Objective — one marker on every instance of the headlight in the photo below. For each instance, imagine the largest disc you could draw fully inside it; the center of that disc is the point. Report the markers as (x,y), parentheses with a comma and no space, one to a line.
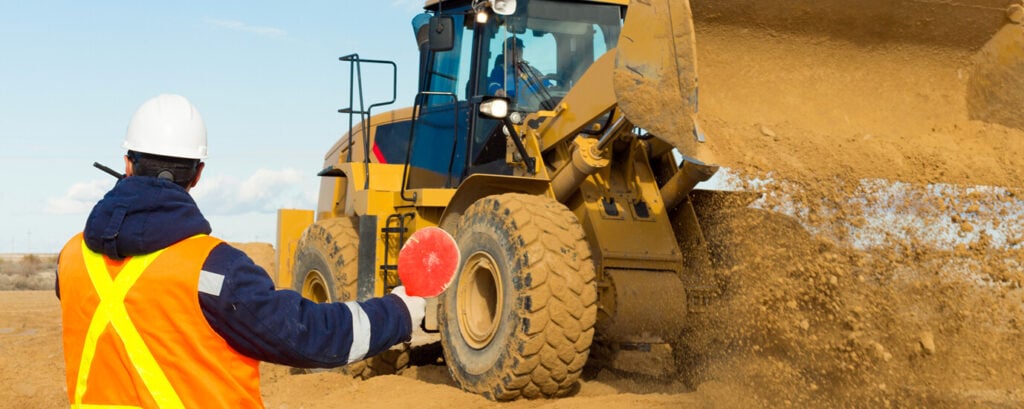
(496,107)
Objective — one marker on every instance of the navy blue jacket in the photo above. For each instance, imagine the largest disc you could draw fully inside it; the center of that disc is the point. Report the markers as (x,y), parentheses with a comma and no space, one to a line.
(141,215)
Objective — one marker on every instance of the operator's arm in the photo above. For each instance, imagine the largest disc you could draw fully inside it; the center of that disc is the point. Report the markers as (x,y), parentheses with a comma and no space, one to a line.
(496,81)
(284,328)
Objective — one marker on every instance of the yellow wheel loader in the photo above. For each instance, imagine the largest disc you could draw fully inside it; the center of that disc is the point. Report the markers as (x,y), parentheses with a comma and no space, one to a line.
(558,142)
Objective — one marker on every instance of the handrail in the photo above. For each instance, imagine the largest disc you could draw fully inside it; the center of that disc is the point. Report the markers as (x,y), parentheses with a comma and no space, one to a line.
(355,78)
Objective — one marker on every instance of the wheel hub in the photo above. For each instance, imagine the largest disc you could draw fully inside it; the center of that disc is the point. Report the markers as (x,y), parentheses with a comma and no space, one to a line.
(479,300)
(315,287)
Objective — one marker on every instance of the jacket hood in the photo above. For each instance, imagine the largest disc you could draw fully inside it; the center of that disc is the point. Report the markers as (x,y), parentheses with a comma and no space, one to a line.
(141,215)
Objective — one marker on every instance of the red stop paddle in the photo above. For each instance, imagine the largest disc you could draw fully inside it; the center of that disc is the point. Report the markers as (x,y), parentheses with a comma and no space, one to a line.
(428,261)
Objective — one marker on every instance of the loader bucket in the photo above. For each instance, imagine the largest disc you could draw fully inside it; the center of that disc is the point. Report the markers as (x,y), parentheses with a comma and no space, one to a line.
(925,90)
(989,30)
(951,23)
(655,76)
(995,92)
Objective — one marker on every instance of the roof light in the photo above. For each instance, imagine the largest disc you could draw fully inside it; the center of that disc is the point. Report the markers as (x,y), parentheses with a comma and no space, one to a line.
(504,7)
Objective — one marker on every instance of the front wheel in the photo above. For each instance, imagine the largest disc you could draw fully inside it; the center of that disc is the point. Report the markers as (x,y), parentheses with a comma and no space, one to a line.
(519,318)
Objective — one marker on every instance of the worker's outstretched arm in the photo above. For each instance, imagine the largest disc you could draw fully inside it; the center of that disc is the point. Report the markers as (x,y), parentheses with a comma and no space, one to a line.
(284,328)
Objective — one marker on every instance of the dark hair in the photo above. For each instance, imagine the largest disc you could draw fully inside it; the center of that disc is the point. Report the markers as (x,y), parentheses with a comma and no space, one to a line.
(181,171)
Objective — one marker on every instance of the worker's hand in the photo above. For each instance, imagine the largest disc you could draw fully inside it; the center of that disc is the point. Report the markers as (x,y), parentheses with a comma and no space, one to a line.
(417,306)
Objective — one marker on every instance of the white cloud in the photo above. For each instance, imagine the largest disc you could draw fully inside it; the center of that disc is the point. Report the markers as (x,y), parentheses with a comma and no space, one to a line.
(79,198)
(408,5)
(264,191)
(246,28)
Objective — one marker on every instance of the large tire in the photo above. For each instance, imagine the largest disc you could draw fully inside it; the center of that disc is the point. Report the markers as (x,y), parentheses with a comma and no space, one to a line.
(325,268)
(326,261)
(519,319)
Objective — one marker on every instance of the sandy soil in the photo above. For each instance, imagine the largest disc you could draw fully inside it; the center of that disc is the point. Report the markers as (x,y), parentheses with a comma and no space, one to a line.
(906,293)
(32,368)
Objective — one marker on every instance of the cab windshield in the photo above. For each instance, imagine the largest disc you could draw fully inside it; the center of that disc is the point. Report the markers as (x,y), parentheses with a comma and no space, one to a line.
(550,44)
(536,55)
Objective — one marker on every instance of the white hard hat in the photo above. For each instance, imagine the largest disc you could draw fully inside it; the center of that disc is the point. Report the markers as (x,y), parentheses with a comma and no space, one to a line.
(167,125)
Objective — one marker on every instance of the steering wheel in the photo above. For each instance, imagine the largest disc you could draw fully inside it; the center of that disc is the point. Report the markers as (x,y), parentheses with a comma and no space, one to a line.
(552,79)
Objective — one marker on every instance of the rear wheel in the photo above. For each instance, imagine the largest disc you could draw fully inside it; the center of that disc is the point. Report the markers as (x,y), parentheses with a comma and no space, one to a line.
(325,261)
(326,270)
(519,318)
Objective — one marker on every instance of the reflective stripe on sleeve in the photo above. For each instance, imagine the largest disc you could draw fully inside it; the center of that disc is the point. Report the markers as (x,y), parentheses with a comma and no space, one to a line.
(360,333)
(210,283)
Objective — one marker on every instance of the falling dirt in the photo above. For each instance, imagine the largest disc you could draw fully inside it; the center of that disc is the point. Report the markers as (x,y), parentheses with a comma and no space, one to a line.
(901,285)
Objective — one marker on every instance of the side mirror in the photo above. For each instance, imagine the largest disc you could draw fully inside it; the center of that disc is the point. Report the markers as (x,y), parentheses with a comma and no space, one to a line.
(441,33)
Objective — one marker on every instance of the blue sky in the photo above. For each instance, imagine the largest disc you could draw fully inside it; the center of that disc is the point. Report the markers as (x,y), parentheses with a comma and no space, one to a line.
(265,76)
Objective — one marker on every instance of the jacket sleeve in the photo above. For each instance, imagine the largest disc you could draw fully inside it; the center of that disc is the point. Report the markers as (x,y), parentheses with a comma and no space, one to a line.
(280,326)
(494,80)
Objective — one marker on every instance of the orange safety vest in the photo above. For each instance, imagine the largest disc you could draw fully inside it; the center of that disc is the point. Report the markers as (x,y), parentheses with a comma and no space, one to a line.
(135,336)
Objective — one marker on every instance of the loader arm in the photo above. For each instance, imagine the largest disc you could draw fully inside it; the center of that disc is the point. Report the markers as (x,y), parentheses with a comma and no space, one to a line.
(651,78)
(590,98)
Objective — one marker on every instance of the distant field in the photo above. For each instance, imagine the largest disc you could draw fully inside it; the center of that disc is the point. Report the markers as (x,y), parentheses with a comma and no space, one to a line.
(24,271)
(20,256)
(27,271)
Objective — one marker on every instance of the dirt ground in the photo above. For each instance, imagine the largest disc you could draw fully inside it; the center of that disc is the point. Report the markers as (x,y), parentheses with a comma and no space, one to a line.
(31,365)
(904,290)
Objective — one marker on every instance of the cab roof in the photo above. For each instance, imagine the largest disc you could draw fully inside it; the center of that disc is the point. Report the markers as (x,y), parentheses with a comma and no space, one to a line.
(619,2)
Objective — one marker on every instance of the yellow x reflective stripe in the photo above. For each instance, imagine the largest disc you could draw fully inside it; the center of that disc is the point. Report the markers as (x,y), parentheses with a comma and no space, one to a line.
(111,310)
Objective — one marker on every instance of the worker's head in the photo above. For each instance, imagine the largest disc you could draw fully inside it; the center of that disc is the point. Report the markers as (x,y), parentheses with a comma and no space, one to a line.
(514,45)
(166,139)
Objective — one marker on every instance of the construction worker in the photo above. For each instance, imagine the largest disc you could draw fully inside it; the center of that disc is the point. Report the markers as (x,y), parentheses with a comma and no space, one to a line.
(157,313)
(524,83)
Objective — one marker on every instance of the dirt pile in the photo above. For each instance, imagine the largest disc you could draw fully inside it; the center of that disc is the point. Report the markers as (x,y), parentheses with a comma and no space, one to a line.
(261,253)
(813,323)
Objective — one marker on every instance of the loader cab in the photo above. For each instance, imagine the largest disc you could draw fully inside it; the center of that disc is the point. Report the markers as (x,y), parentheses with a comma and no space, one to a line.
(533,56)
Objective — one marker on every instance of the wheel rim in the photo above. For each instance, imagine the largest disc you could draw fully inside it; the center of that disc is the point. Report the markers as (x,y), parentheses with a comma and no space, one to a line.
(479,300)
(315,287)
